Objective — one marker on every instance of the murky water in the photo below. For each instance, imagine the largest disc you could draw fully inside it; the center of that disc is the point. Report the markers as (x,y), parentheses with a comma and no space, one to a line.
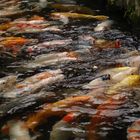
(103,117)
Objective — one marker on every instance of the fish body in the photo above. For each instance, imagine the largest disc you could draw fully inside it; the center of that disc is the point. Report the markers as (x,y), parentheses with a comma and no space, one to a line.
(133,132)
(51,59)
(106,112)
(71,8)
(78,16)
(128,82)
(14,44)
(34,83)
(54,109)
(24,103)
(111,76)
(62,129)
(105,25)
(104,44)
(17,130)
(133,61)
(6,83)
(118,74)
(99,82)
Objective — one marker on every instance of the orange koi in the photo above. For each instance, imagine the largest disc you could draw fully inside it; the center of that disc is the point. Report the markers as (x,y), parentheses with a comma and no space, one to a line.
(13,43)
(55,109)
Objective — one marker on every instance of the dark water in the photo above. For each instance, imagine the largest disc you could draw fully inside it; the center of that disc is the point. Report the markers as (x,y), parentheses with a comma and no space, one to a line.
(77,73)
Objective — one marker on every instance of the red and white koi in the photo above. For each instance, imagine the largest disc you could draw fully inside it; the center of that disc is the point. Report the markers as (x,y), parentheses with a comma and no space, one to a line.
(62,129)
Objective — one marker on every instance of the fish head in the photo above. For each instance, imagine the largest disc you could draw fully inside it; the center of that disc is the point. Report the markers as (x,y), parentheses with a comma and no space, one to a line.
(99,82)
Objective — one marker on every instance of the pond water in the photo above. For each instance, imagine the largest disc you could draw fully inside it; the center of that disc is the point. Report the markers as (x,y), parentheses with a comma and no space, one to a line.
(47,65)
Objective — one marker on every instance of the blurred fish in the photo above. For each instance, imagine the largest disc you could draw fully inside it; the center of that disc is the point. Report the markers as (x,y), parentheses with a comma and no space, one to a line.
(133,131)
(62,129)
(6,83)
(129,82)
(101,81)
(54,109)
(14,44)
(67,15)
(111,76)
(118,74)
(106,112)
(17,130)
(23,103)
(104,44)
(35,83)
(71,8)
(51,59)
(133,61)
(105,25)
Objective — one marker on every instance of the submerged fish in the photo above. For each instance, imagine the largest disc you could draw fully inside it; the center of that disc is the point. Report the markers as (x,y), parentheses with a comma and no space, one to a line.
(17,130)
(16,10)
(105,25)
(28,28)
(22,104)
(133,132)
(100,82)
(118,74)
(111,76)
(129,82)
(58,58)
(71,8)
(133,61)
(78,16)
(106,112)
(14,44)
(62,129)
(6,83)
(54,109)
(35,83)
(104,44)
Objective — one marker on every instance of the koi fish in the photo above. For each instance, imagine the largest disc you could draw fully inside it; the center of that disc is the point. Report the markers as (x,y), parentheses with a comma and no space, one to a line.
(24,103)
(105,113)
(71,8)
(128,82)
(13,43)
(17,130)
(118,74)
(133,132)
(6,83)
(54,109)
(77,16)
(101,81)
(111,76)
(35,83)
(58,131)
(104,44)
(105,25)
(51,59)
(133,61)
